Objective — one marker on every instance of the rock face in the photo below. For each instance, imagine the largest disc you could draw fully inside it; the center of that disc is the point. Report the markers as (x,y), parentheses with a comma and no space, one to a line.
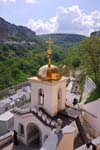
(96,33)
(10,31)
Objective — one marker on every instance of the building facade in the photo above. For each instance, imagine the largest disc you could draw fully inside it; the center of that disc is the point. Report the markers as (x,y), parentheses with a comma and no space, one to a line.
(48,95)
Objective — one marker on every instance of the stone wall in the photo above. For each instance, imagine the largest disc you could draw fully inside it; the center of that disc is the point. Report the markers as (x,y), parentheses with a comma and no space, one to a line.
(89,87)
(16,87)
(92,117)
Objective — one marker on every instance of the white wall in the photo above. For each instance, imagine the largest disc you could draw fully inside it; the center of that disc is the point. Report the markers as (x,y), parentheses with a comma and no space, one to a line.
(67,142)
(88,88)
(94,117)
(51,103)
(2,109)
(25,120)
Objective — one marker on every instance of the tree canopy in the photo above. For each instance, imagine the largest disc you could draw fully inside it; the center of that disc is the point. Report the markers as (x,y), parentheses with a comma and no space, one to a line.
(90,53)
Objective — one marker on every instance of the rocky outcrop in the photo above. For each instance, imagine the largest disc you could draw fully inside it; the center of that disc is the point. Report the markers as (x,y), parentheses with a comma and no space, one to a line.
(96,33)
(10,31)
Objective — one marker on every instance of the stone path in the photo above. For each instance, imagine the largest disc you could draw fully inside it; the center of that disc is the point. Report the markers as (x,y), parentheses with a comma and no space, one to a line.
(70,96)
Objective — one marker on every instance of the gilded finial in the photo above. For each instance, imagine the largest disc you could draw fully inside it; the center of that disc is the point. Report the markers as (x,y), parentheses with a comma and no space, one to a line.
(49,51)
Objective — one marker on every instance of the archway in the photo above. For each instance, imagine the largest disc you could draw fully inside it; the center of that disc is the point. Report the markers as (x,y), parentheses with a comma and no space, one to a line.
(33,135)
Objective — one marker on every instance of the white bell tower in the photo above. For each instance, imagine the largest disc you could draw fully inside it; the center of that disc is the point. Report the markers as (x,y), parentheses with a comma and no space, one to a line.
(48,89)
(49,95)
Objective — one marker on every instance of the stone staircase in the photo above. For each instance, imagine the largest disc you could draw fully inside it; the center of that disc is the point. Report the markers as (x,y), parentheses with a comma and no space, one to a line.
(66,120)
(44,118)
(74,114)
(39,113)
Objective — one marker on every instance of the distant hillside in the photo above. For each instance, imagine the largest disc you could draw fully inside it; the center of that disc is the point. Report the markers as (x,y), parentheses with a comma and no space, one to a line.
(64,39)
(96,33)
(22,52)
(10,31)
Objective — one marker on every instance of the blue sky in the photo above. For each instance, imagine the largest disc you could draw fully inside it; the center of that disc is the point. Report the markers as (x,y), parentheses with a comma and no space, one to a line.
(53,16)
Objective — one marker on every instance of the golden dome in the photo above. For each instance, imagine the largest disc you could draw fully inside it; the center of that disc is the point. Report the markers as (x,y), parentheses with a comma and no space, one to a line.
(49,73)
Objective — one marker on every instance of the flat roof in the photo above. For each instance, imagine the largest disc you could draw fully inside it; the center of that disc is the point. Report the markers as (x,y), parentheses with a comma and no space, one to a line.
(6,116)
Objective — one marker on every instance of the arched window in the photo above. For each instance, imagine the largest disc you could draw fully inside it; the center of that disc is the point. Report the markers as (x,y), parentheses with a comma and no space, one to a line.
(41,97)
(21,130)
(59,94)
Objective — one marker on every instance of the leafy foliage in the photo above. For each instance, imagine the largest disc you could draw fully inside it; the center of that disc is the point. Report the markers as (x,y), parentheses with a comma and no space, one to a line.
(19,61)
(90,54)
(17,64)
(73,58)
(64,40)
(94,96)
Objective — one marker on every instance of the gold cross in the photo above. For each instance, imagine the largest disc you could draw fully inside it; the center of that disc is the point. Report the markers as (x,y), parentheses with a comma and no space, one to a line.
(49,43)
(49,51)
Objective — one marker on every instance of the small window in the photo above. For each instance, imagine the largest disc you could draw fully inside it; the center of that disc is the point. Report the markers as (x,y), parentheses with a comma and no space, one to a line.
(41,97)
(21,129)
(59,94)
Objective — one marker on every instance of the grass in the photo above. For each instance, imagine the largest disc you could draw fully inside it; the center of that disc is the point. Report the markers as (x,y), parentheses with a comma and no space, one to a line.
(93,96)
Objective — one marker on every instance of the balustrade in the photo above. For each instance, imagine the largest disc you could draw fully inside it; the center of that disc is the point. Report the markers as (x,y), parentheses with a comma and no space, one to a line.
(44,117)
(53,123)
(48,120)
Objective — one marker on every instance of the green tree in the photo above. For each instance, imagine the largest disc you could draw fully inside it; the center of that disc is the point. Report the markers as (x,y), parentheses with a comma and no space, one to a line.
(73,57)
(90,52)
(5,76)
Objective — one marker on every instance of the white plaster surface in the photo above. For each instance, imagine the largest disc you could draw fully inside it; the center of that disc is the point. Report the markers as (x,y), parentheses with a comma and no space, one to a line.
(6,116)
(93,108)
(25,120)
(51,103)
(52,140)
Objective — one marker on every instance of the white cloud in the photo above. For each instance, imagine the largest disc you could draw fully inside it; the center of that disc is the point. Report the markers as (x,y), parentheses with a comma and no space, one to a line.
(30,1)
(68,20)
(26,1)
(5,1)
(40,26)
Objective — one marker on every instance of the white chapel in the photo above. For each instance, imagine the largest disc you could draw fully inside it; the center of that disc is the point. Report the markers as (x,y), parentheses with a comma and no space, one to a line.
(48,94)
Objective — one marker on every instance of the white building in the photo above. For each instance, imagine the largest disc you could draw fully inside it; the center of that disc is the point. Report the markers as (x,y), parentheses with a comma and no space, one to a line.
(60,140)
(18,99)
(6,122)
(48,95)
(92,117)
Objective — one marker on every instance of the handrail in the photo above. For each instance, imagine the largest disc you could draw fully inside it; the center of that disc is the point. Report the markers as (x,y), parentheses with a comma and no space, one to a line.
(79,126)
(81,131)
(59,115)
(81,109)
(6,140)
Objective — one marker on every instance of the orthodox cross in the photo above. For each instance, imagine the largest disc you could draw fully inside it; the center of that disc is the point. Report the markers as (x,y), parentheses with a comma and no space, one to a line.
(49,52)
